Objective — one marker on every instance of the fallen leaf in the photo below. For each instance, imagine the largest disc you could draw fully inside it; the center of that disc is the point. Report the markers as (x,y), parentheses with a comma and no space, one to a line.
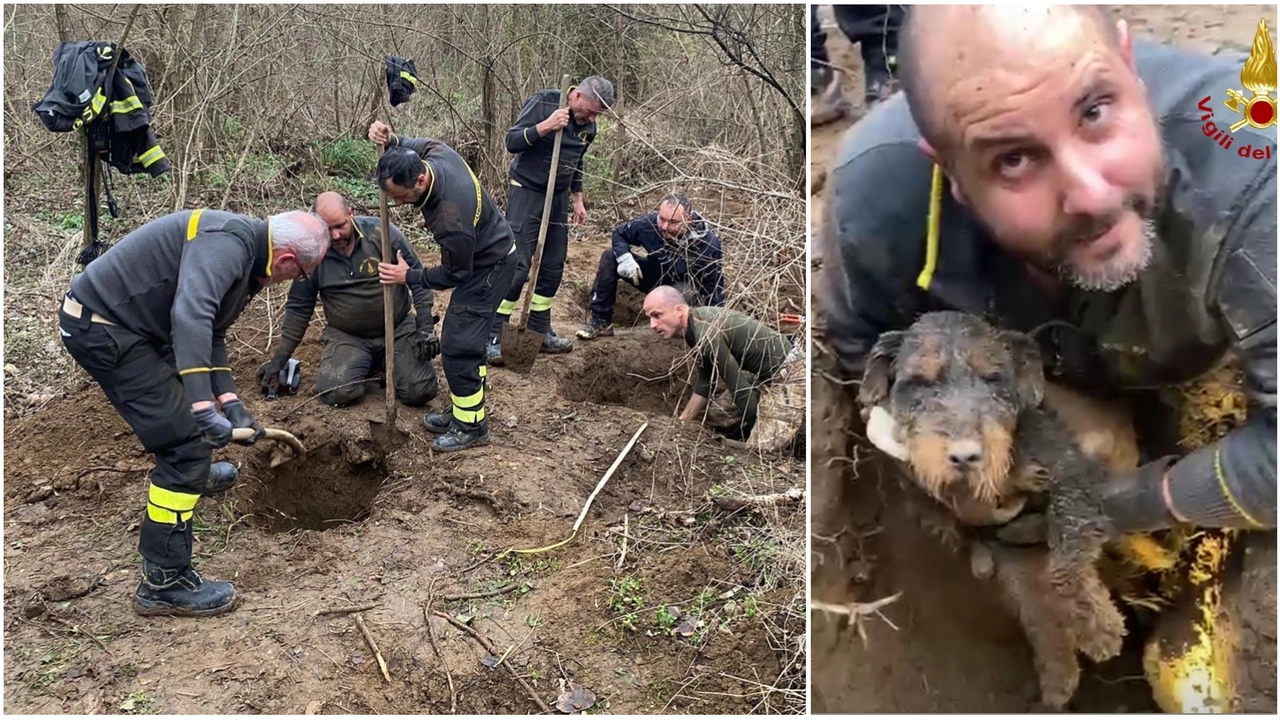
(575,699)
(490,661)
(314,707)
(357,658)
(687,627)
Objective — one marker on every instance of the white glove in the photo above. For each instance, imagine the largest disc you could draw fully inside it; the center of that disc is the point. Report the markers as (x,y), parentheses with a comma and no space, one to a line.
(629,268)
(882,431)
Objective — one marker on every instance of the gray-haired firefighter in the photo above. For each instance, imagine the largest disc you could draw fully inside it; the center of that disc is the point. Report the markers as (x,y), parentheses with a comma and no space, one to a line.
(477,260)
(148,320)
(532,139)
(347,283)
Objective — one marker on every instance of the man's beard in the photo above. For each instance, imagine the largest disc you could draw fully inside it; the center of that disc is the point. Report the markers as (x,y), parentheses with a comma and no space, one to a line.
(1124,266)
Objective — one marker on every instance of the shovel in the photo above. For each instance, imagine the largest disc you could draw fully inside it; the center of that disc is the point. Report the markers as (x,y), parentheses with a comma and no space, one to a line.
(519,346)
(280,436)
(384,432)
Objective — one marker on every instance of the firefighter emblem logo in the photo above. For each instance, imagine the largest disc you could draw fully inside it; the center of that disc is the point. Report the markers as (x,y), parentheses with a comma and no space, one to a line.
(1258,77)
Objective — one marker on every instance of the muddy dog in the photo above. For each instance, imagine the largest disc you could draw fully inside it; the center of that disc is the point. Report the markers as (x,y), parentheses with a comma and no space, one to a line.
(966,400)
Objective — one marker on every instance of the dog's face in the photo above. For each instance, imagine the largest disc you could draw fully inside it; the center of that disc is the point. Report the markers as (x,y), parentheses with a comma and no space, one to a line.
(955,387)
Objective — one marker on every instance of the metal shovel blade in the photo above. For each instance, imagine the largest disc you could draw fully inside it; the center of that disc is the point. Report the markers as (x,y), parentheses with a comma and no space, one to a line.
(387,436)
(520,347)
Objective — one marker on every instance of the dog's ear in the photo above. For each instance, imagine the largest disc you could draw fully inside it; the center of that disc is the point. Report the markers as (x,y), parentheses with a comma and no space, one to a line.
(1028,369)
(877,373)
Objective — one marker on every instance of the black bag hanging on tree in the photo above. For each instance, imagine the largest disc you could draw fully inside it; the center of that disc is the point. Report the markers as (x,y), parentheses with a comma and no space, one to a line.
(402,79)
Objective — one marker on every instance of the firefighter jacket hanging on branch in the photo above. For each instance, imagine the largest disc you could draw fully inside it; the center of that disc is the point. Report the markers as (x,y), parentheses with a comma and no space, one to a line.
(116,120)
(402,79)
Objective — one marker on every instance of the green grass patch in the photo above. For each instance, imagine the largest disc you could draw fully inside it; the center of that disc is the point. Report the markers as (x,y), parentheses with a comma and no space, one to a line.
(349,157)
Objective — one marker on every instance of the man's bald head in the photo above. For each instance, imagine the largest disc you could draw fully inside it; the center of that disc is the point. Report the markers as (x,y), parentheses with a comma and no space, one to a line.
(667,311)
(335,210)
(939,44)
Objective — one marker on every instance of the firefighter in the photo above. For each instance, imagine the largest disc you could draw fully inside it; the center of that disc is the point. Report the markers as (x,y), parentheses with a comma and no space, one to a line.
(874,29)
(347,283)
(148,321)
(675,246)
(477,261)
(531,140)
(739,350)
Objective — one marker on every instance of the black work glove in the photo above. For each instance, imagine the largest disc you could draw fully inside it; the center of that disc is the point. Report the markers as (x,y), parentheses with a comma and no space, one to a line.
(1134,501)
(269,373)
(240,418)
(214,429)
(425,343)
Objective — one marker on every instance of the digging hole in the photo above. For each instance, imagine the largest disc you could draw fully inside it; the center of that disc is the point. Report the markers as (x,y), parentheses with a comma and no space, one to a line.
(641,373)
(332,486)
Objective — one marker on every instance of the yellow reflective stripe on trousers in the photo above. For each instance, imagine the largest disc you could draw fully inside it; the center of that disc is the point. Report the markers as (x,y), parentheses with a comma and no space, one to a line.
(541,302)
(151,157)
(169,506)
(193,224)
(484,371)
(506,307)
(470,409)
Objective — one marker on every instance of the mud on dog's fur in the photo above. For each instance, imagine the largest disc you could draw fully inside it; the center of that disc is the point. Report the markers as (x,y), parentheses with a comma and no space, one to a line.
(967,402)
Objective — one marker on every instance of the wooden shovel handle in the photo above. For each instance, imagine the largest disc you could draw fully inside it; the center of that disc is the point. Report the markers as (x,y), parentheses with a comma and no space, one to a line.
(388,300)
(272,434)
(532,280)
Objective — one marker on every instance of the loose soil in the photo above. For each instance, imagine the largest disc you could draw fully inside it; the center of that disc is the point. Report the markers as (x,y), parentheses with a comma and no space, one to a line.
(347,526)
(946,645)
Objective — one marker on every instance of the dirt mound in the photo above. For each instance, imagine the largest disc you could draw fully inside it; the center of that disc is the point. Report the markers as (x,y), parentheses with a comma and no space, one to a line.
(634,371)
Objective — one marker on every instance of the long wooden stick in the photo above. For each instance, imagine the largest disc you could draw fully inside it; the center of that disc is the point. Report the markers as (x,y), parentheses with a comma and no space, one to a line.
(388,302)
(431,635)
(488,646)
(373,645)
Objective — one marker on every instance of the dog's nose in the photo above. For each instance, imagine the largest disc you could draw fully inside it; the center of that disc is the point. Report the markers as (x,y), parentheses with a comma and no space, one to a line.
(964,452)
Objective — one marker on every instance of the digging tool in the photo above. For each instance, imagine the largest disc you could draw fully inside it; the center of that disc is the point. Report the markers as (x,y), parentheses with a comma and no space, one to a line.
(281,436)
(519,346)
(384,432)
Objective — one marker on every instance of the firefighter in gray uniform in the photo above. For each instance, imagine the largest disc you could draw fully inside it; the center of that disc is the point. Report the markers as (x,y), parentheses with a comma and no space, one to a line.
(531,140)
(347,283)
(477,260)
(148,321)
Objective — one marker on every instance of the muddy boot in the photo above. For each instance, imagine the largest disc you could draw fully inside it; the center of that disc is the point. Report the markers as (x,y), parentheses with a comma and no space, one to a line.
(599,327)
(462,436)
(438,422)
(493,352)
(165,591)
(829,104)
(222,476)
(553,344)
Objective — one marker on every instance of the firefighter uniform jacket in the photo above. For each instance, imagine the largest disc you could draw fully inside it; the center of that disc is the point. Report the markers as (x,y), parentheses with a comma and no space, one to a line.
(78,97)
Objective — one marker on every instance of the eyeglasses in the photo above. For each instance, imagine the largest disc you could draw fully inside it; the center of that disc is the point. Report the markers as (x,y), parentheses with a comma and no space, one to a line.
(301,271)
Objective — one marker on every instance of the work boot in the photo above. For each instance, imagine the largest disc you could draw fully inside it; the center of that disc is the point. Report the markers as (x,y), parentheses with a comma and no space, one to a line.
(553,344)
(493,352)
(599,327)
(165,591)
(438,422)
(462,436)
(222,476)
(829,104)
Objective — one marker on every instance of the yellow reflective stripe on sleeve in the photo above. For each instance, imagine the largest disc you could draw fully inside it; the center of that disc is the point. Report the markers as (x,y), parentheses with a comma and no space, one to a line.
(476,220)
(1226,490)
(413,80)
(193,224)
(151,157)
(126,105)
(935,222)
(188,371)
(540,302)
(506,307)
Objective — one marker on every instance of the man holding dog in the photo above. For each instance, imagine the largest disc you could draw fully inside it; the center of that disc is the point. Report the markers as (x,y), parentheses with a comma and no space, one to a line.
(1075,192)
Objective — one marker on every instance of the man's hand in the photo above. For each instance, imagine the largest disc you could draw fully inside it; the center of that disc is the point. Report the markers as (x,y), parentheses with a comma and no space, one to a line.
(215,430)
(379,133)
(629,268)
(579,211)
(1137,501)
(696,406)
(882,431)
(269,373)
(393,274)
(556,121)
(425,343)
(240,418)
